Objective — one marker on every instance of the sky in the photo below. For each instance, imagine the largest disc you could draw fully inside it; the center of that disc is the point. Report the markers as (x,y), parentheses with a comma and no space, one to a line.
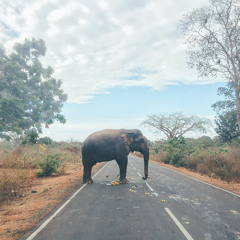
(119,61)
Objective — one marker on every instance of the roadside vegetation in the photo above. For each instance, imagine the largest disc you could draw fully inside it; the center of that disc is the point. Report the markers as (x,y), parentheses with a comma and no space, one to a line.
(204,155)
(21,166)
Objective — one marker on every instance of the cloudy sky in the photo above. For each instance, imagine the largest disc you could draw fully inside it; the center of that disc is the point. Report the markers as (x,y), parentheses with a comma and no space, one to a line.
(119,60)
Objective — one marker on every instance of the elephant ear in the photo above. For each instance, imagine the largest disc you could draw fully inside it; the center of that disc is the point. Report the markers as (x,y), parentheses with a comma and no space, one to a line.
(127,139)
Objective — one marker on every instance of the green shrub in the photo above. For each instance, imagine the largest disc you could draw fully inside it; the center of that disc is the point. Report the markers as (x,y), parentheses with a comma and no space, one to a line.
(49,165)
(177,150)
(45,141)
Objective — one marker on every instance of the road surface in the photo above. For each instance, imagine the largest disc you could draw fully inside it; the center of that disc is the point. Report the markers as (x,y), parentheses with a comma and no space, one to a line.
(167,206)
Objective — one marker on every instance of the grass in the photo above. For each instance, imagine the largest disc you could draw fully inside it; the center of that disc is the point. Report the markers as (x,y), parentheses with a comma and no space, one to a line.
(19,167)
(213,161)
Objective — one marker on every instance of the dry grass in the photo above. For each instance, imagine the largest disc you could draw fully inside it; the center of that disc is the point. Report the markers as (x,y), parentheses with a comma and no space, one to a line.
(159,157)
(20,214)
(26,199)
(13,182)
(213,162)
(18,167)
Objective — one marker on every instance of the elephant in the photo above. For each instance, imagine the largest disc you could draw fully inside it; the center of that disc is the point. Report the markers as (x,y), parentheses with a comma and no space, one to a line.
(113,144)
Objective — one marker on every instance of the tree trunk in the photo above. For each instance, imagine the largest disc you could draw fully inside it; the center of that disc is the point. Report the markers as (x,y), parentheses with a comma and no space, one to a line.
(236,83)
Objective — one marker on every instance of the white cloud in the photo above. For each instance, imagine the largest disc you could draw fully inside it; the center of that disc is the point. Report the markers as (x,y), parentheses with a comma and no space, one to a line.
(96,45)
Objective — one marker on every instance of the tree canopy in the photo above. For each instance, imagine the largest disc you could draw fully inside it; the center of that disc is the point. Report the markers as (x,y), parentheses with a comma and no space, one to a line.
(226,119)
(213,39)
(227,126)
(175,125)
(29,94)
(229,104)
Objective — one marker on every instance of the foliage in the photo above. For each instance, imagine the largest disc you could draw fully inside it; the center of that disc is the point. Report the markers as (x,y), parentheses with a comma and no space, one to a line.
(19,166)
(175,125)
(212,36)
(13,181)
(31,136)
(45,140)
(227,126)
(203,142)
(226,121)
(214,162)
(177,150)
(29,94)
(203,155)
(49,165)
(228,104)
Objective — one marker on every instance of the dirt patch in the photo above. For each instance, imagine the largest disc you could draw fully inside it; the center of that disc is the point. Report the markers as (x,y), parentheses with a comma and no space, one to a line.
(20,215)
(232,186)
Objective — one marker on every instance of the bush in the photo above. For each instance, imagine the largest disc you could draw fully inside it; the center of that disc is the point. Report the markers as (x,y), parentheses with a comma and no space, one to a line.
(176,149)
(45,141)
(224,163)
(203,155)
(49,165)
(12,182)
(31,137)
(161,156)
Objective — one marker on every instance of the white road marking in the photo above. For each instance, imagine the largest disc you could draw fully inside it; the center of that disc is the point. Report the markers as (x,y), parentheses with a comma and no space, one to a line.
(180,226)
(149,186)
(237,195)
(33,235)
(139,174)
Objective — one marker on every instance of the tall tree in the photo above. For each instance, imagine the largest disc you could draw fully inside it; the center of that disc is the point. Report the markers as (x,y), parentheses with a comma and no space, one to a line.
(226,120)
(227,127)
(175,125)
(29,94)
(213,39)
(229,104)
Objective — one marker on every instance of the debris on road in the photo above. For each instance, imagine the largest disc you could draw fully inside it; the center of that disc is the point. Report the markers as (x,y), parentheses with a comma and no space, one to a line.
(131,190)
(136,207)
(234,212)
(114,183)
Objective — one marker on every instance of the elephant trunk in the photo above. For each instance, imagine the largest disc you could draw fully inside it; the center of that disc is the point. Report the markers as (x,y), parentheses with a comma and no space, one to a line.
(146,159)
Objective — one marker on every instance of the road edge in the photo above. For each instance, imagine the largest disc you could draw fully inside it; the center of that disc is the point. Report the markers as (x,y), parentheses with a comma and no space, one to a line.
(32,232)
(210,184)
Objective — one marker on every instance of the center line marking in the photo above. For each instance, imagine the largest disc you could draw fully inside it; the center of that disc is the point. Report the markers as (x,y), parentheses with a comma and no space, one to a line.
(180,226)
(149,187)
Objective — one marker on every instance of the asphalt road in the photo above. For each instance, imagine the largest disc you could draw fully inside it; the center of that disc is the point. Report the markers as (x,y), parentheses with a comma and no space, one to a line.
(167,206)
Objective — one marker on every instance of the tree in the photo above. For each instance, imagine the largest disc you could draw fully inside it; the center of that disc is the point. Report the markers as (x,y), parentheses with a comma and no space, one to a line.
(226,120)
(227,127)
(29,95)
(177,150)
(213,39)
(223,106)
(175,125)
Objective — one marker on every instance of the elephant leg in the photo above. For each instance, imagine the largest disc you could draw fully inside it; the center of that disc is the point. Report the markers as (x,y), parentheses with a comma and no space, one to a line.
(122,163)
(87,174)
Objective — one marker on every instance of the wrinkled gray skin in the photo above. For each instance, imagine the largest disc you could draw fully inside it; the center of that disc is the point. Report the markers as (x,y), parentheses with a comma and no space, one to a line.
(113,144)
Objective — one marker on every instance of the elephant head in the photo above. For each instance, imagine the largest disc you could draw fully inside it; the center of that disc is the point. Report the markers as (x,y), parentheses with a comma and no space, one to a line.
(137,142)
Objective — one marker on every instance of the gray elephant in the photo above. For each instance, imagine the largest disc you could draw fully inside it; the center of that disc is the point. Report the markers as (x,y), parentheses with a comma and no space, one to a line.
(113,144)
